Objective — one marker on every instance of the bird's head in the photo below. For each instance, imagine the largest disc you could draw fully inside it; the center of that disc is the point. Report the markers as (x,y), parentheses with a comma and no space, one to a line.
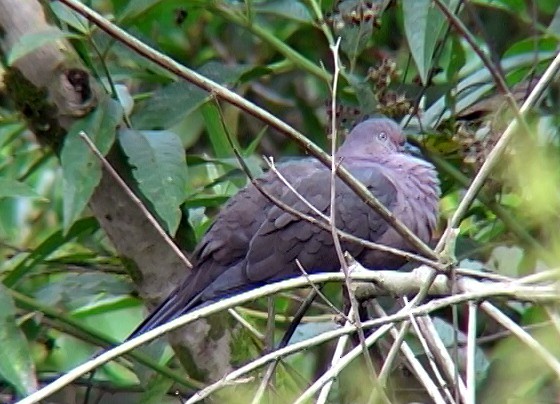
(375,136)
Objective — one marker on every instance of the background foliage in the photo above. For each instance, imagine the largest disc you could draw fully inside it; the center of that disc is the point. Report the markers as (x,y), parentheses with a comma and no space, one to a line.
(405,62)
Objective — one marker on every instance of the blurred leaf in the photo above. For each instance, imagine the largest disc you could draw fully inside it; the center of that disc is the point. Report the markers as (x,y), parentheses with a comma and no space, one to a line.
(171,104)
(456,59)
(16,365)
(168,106)
(354,39)
(156,389)
(70,17)
(423,23)
(29,42)
(10,188)
(213,201)
(81,168)
(9,132)
(136,8)
(309,330)
(159,165)
(505,260)
(255,73)
(224,73)
(47,247)
(286,9)
(84,292)
(554,26)
(125,99)
(515,6)
(216,132)
(531,45)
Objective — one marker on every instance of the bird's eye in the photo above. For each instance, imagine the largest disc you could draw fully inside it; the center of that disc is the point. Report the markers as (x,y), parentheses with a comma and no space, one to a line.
(382,136)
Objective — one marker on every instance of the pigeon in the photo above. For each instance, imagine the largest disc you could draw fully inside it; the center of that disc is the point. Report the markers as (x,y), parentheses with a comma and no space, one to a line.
(253,241)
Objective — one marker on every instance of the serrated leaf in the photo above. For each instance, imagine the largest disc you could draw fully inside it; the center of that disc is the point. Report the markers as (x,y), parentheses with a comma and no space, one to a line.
(81,168)
(10,188)
(16,364)
(159,165)
(31,41)
(423,23)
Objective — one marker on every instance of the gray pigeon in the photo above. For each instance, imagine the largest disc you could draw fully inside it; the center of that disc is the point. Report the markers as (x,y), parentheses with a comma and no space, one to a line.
(253,242)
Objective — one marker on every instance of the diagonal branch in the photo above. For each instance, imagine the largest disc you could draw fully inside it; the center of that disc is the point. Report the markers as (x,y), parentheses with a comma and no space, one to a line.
(234,99)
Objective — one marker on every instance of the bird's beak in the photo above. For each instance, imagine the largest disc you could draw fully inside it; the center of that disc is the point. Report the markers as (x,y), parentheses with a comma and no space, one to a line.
(410,149)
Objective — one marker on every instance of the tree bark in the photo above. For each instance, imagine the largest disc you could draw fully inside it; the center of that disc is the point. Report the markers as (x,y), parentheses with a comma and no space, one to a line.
(52,89)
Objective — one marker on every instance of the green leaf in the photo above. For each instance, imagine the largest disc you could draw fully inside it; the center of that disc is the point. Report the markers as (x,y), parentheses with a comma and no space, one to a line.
(514,6)
(81,168)
(286,9)
(10,188)
(31,41)
(70,17)
(423,23)
(47,247)
(354,39)
(16,365)
(168,106)
(215,129)
(159,165)
(136,8)
(171,104)
(156,389)
(10,132)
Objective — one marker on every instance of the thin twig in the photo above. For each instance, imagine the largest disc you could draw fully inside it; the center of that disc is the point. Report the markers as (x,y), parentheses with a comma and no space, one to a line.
(523,335)
(113,173)
(285,339)
(321,294)
(341,364)
(334,231)
(431,356)
(402,315)
(247,325)
(337,355)
(442,356)
(234,99)
(270,162)
(414,363)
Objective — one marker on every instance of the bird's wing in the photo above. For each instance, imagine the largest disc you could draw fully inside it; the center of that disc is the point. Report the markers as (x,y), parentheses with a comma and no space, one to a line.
(283,238)
(225,244)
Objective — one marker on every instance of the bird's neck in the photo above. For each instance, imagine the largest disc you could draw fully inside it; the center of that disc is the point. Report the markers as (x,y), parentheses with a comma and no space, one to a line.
(417,184)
